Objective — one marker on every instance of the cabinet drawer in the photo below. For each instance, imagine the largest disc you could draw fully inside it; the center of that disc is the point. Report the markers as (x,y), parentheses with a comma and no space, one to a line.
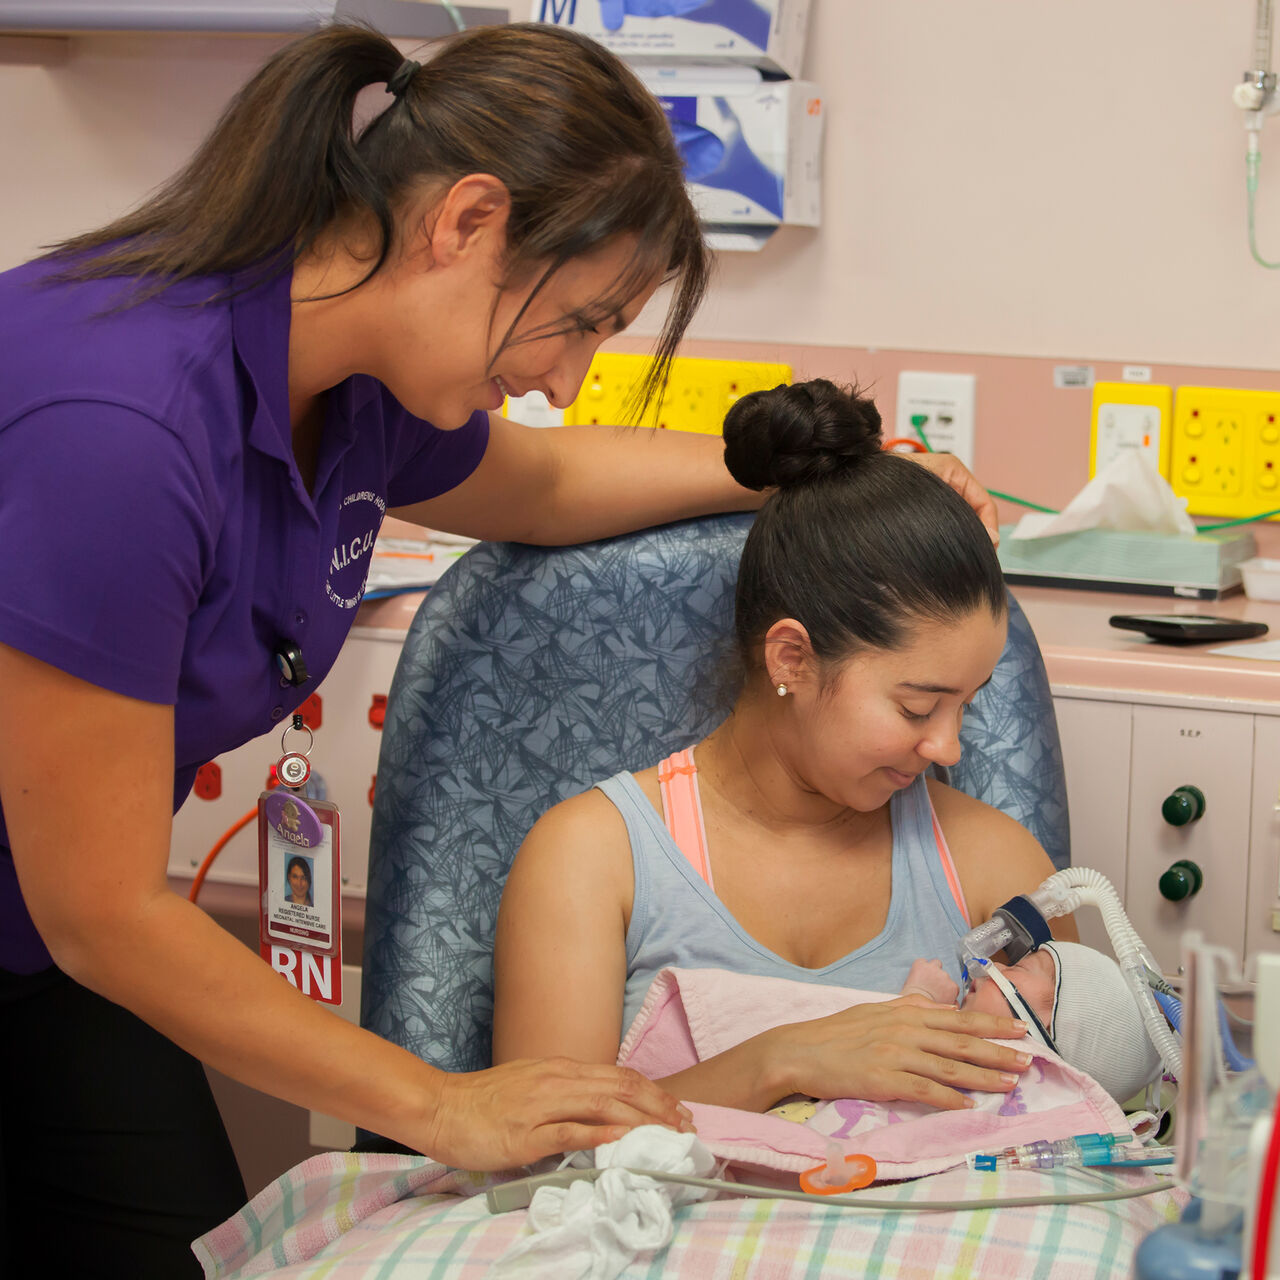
(1212,751)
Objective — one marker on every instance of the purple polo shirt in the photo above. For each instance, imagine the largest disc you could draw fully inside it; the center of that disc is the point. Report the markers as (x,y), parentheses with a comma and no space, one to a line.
(158,539)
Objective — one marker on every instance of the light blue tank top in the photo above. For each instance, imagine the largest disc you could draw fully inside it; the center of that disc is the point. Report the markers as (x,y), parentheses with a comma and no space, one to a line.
(677,922)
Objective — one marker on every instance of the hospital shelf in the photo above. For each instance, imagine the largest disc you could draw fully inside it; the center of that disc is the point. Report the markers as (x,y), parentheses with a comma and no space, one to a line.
(410,19)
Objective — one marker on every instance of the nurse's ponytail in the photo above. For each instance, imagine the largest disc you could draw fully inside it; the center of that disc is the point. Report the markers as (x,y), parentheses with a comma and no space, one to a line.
(275,171)
(855,543)
(582,147)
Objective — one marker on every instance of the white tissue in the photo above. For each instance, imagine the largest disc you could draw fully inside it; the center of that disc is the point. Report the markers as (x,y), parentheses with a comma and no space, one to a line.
(1128,494)
(594,1229)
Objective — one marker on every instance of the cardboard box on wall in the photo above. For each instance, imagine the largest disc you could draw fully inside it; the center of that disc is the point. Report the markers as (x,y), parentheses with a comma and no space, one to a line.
(762,33)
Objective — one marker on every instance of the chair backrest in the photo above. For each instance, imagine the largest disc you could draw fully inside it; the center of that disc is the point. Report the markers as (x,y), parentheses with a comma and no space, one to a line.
(530,674)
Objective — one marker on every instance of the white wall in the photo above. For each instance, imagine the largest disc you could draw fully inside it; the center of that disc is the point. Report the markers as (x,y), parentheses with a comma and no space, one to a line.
(1026,179)
(1020,179)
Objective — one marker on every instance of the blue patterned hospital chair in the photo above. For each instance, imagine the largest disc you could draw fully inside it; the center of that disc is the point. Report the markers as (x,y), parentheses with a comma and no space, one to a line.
(529,674)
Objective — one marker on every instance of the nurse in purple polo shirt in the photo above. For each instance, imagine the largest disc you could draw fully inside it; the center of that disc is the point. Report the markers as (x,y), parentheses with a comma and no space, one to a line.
(206,409)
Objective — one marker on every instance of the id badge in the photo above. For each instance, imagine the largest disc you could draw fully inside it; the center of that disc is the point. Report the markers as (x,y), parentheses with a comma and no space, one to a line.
(299,881)
(298,844)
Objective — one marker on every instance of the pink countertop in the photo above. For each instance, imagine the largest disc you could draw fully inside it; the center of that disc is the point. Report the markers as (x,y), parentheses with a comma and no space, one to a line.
(1082,651)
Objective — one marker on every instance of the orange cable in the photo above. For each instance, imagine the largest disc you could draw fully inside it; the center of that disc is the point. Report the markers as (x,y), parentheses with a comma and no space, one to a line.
(217,849)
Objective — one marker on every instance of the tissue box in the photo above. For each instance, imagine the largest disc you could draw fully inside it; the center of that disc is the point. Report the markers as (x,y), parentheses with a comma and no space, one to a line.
(752,148)
(760,33)
(1202,566)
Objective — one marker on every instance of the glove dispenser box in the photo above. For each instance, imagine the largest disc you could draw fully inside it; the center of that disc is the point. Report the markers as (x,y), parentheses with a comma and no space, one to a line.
(752,148)
(759,33)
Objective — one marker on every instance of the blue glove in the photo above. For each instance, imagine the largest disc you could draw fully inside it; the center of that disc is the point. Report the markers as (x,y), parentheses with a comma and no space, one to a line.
(612,12)
(720,158)
(700,149)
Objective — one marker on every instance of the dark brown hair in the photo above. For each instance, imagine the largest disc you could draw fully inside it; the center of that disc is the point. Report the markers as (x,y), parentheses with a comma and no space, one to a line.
(582,147)
(855,543)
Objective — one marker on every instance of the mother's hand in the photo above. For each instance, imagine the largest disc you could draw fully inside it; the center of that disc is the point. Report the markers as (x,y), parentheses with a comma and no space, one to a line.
(949,468)
(908,1049)
(521,1111)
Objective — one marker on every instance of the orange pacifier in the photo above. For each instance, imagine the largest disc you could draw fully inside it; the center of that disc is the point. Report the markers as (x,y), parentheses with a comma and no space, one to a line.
(839,1174)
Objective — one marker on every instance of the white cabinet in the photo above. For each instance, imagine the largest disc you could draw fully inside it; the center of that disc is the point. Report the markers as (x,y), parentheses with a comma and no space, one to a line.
(1262,910)
(1123,759)
(1095,752)
(1213,751)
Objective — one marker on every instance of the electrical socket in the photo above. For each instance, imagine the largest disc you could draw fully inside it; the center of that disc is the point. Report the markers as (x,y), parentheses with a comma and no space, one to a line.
(1129,416)
(1226,450)
(940,404)
(699,392)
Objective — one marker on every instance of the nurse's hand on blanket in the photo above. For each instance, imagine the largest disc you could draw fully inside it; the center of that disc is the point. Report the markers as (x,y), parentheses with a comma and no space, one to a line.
(908,1049)
(521,1111)
(949,468)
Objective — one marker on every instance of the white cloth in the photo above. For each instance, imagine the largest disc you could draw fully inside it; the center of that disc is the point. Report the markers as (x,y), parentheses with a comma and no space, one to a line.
(1128,493)
(592,1230)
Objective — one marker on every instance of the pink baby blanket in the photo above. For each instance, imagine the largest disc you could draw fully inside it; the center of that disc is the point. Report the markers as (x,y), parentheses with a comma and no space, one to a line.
(690,1015)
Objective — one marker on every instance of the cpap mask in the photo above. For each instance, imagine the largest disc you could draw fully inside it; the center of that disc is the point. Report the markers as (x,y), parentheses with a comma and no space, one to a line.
(1021,926)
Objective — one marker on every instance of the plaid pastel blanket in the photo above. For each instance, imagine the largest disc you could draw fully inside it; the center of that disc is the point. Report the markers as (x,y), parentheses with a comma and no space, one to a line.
(348,1217)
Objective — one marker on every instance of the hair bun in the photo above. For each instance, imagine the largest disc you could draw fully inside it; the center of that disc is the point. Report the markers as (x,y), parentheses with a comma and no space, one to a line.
(799,433)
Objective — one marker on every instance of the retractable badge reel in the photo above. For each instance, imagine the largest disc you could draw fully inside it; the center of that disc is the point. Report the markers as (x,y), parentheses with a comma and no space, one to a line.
(299,880)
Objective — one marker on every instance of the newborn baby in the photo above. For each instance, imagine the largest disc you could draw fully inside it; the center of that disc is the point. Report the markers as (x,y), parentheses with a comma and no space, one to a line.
(1078,996)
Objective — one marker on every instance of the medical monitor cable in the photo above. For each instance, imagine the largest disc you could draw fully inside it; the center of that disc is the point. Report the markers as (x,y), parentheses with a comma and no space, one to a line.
(221,844)
(508,1195)
(1267,1196)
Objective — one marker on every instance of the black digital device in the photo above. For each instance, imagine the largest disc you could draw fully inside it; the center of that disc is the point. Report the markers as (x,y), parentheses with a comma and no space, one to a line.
(1188,628)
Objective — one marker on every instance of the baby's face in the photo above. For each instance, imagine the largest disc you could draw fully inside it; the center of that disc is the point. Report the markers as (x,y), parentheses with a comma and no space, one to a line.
(1035,980)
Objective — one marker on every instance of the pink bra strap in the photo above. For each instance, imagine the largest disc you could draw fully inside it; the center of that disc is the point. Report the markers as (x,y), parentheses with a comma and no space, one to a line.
(949,866)
(682,810)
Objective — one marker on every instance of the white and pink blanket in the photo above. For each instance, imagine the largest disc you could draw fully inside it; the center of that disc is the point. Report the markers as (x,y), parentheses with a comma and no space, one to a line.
(690,1015)
(346,1217)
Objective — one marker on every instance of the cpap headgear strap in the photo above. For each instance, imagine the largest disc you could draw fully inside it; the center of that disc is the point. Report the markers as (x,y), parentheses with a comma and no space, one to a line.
(1020,1008)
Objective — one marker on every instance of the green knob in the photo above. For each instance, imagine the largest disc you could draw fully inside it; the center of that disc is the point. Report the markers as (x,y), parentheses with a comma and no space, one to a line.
(1182,880)
(1186,804)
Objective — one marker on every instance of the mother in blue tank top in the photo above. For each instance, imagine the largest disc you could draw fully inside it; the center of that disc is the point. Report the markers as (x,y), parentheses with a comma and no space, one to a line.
(805,837)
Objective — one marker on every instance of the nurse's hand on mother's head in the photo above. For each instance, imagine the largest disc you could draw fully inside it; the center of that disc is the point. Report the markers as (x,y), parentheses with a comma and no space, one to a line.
(909,1049)
(949,468)
(521,1111)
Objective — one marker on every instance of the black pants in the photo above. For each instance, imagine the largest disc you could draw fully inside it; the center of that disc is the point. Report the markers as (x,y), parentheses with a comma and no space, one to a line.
(113,1157)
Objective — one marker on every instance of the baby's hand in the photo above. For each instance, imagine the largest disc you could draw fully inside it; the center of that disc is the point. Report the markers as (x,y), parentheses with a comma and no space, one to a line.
(929,979)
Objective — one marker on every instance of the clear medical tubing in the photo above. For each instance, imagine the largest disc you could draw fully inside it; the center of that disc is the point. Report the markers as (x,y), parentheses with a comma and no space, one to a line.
(1073,887)
(1262,37)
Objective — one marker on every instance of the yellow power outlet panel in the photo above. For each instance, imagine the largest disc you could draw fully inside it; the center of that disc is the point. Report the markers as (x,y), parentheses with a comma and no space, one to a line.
(698,395)
(1131,415)
(1226,451)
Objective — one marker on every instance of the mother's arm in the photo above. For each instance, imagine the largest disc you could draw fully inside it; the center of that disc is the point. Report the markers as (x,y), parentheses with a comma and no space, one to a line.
(560,968)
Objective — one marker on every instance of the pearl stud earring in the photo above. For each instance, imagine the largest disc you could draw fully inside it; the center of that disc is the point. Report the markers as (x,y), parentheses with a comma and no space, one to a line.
(782,691)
